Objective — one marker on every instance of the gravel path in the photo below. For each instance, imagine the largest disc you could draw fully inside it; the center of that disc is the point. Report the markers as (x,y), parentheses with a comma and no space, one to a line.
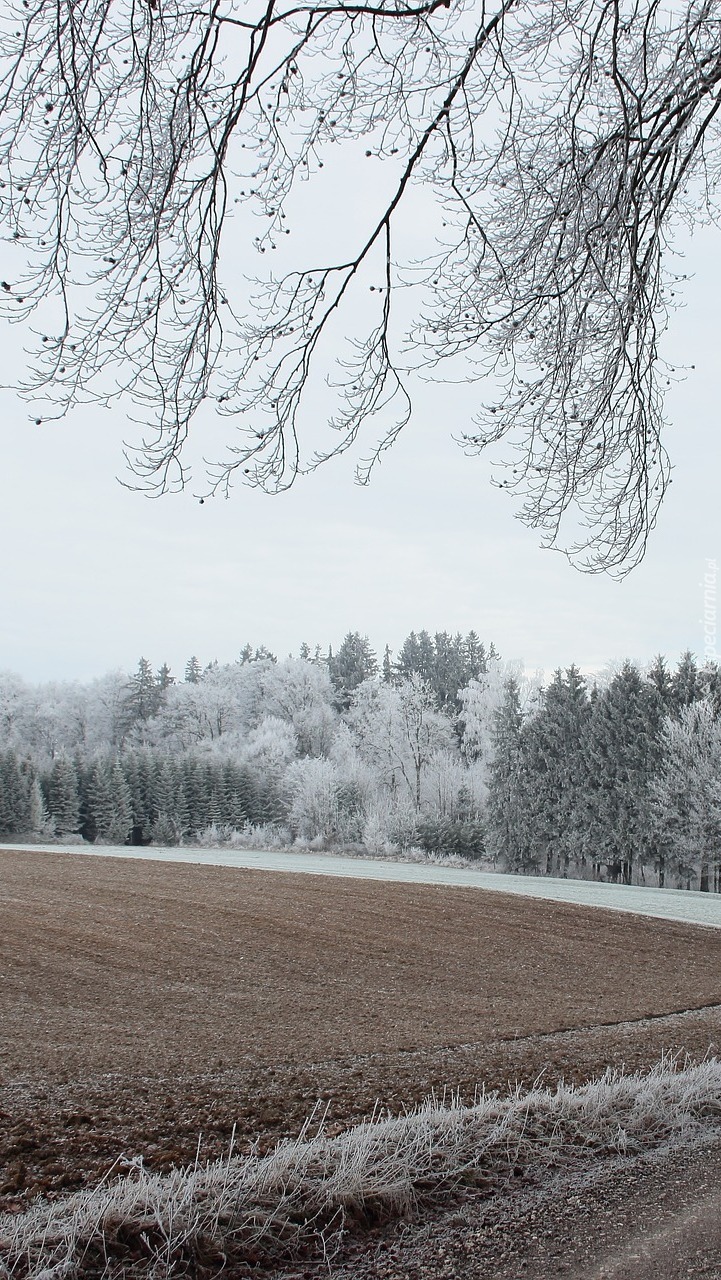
(664,904)
(652,1219)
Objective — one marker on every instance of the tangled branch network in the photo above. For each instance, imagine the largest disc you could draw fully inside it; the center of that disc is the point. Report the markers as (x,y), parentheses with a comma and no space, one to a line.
(146,145)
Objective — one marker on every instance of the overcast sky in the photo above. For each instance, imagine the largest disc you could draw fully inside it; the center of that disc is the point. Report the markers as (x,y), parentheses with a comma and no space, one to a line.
(94,576)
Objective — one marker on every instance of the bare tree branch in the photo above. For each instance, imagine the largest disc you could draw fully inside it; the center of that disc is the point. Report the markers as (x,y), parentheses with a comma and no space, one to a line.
(562,139)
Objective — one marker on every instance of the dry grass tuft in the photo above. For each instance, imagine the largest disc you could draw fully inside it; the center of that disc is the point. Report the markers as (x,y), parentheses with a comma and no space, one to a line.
(305,1195)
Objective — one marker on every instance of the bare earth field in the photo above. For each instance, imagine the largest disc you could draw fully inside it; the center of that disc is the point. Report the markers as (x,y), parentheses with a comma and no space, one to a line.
(144,1004)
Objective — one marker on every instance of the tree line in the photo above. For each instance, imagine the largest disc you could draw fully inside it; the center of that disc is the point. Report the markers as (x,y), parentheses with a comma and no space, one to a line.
(443,747)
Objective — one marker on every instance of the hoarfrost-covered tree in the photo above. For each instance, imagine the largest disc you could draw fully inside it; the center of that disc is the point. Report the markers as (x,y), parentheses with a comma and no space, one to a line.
(147,149)
(302,694)
(223,701)
(482,698)
(686,797)
(312,786)
(398,729)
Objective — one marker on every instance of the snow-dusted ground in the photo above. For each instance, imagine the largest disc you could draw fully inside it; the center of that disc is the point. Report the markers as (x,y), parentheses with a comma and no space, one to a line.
(668,904)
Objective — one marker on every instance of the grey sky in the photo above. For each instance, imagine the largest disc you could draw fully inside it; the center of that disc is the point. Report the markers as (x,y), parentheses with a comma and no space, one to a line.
(94,575)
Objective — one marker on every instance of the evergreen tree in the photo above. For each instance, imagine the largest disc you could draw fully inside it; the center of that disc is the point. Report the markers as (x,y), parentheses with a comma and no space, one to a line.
(686,684)
(660,677)
(15,788)
(189,775)
(63,796)
(247,654)
(450,670)
(507,789)
(163,681)
(622,756)
(387,668)
(446,663)
(710,678)
(408,662)
(40,822)
(354,662)
(139,769)
(553,745)
(193,670)
(143,697)
(475,656)
(110,802)
(181,810)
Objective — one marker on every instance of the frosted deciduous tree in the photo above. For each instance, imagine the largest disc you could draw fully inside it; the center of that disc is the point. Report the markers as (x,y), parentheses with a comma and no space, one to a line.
(686,799)
(398,729)
(224,701)
(312,786)
(107,717)
(481,699)
(15,709)
(302,694)
(562,142)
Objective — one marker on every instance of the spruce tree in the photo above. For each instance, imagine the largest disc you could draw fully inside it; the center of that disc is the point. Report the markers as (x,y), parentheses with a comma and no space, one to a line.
(622,755)
(143,696)
(507,826)
(686,683)
(354,662)
(475,655)
(193,670)
(553,744)
(660,677)
(63,796)
(15,785)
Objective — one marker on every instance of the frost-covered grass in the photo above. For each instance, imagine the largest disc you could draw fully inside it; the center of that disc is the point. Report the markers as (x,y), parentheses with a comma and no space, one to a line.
(300,1199)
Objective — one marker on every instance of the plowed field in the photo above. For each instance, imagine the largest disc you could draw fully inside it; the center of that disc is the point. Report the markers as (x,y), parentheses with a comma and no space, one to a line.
(146,1005)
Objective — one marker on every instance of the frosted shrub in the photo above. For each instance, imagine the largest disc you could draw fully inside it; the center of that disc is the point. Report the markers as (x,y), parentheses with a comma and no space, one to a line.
(220,835)
(389,825)
(311,787)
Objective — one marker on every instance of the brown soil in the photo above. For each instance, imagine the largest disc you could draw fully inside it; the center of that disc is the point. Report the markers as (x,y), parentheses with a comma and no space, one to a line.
(144,1004)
